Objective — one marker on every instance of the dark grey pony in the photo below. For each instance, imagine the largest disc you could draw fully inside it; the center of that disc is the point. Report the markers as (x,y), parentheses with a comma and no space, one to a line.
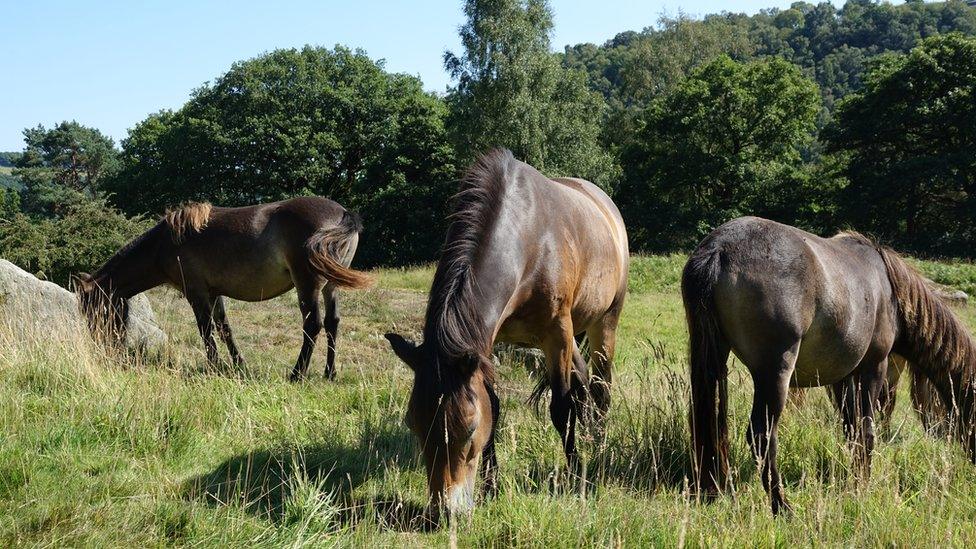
(252,254)
(799,309)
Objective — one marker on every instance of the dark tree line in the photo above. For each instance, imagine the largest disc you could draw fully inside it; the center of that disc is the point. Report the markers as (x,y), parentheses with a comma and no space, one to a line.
(860,117)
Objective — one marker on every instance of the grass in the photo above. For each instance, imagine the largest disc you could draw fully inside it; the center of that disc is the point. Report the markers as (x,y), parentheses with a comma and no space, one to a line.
(100,452)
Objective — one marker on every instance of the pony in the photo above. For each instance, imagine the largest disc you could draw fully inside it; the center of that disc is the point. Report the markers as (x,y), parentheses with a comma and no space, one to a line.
(527,260)
(252,253)
(799,309)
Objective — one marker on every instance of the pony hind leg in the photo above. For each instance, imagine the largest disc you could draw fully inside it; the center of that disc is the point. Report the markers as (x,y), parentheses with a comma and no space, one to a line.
(308,303)
(602,339)
(223,328)
(771,385)
(331,298)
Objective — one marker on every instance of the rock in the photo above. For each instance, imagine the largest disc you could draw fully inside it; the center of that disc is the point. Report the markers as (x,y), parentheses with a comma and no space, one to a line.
(28,303)
(948,294)
(532,359)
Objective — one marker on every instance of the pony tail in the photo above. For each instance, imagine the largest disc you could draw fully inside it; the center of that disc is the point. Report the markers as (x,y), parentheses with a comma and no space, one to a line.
(327,248)
(708,415)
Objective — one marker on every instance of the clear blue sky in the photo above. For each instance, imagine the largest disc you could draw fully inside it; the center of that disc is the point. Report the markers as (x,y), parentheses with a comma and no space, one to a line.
(108,63)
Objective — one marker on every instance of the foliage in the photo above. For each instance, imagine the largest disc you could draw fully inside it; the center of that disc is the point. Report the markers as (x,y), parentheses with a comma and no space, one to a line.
(63,166)
(908,140)
(724,143)
(294,122)
(512,92)
(9,181)
(831,44)
(9,202)
(9,159)
(80,240)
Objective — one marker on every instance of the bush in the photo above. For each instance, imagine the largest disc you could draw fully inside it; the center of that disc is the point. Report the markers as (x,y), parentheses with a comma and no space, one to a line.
(54,249)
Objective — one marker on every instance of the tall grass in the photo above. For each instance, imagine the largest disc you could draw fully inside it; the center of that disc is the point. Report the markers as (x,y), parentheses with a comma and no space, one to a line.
(103,450)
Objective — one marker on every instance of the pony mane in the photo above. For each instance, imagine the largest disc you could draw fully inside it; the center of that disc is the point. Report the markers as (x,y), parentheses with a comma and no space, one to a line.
(858,237)
(451,322)
(191,217)
(935,340)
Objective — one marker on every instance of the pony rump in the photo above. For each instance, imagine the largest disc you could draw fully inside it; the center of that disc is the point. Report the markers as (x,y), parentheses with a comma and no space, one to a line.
(327,248)
(188,218)
(708,415)
(937,345)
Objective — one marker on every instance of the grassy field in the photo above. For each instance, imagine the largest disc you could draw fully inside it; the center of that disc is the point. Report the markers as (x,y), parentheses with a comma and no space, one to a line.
(94,452)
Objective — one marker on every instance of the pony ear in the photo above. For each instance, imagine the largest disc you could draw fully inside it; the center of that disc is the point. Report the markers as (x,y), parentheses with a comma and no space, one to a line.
(407,350)
(81,281)
(472,360)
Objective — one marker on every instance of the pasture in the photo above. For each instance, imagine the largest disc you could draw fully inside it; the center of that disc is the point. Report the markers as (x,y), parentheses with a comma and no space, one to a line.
(165,451)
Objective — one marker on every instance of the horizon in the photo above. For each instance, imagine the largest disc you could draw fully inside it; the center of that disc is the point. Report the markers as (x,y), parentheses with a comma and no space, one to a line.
(109,66)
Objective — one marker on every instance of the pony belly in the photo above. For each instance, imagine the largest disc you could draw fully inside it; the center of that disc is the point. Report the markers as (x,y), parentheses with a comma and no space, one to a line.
(257,284)
(819,365)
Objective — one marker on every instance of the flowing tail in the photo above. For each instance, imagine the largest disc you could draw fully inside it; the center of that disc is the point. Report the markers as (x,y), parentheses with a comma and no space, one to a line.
(327,248)
(709,389)
(938,347)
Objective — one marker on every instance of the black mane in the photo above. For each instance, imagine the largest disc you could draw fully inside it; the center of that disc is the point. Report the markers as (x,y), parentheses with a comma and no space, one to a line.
(451,325)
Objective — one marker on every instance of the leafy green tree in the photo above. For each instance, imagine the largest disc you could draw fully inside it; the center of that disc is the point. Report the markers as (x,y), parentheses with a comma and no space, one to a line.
(295,122)
(725,142)
(63,166)
(909,140)
(512,91)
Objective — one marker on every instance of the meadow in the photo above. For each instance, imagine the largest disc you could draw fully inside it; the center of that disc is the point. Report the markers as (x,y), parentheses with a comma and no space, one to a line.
(99,451)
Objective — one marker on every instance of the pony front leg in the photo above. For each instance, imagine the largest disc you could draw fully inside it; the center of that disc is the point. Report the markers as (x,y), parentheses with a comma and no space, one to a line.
(203,311)
(489,459)
(568,393)
(858,398)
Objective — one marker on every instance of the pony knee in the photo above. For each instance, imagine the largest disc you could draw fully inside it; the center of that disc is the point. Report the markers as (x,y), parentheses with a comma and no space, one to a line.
(312,326)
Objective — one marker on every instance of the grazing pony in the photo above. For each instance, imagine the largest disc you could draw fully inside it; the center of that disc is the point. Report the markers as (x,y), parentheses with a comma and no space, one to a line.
(252,254)
(527,260)
(799,309)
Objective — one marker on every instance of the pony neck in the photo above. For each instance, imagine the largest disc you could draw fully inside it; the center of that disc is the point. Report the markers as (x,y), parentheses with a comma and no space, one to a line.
(465,313)
(133,269)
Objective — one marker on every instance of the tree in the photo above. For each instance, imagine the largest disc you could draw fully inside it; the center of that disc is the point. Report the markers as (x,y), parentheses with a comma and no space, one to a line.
(294,122)
(724,143)
(908,140)
(63,166)
(512,91)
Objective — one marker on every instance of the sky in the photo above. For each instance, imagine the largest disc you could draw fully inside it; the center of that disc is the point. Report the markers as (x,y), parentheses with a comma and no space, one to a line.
(108,64)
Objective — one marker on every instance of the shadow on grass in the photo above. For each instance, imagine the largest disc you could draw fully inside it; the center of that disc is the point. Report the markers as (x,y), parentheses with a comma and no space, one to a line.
(264,482)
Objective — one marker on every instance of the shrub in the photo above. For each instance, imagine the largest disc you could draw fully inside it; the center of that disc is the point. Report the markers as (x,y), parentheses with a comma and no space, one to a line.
(54,249)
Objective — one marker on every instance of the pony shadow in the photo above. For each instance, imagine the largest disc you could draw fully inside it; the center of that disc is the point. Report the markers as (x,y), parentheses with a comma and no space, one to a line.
(263,481)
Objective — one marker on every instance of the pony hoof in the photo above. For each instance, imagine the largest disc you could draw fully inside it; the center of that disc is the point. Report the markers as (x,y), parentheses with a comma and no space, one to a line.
(296,378)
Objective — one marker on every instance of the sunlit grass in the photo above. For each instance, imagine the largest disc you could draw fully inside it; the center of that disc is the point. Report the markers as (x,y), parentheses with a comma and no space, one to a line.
(101,450)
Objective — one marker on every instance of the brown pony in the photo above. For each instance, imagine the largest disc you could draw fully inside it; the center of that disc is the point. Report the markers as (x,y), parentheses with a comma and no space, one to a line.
(252,254)
(803,310)
(527,260)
